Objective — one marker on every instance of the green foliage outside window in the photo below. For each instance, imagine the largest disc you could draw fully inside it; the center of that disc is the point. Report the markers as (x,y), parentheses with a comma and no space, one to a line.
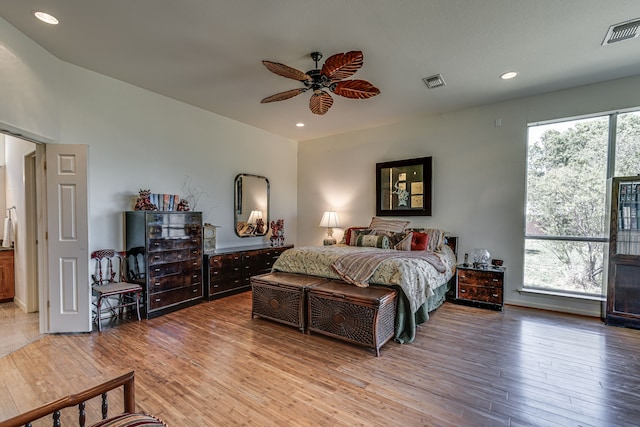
(566,198)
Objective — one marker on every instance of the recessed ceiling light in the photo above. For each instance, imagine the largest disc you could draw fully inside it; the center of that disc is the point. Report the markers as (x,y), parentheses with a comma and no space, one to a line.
(508,75)
(45,17)
(300,125)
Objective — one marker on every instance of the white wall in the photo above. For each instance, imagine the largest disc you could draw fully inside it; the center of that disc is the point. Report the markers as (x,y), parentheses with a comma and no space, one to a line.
(138,139)
(479,174)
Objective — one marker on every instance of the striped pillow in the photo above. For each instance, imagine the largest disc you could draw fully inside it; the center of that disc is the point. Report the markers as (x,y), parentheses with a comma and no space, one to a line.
(405,244)
(393,225)
(131,420)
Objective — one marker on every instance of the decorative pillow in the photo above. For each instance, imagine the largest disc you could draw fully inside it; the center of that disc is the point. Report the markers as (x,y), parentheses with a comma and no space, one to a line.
(353,239)
(373,241)
(349,234)
(405,244)
(131,420)
(394,238)
(393,225)
(419,241)
(436,237)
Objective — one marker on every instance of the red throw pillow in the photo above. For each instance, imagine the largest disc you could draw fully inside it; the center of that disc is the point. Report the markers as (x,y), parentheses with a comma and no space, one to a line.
(350,235)
(419,241)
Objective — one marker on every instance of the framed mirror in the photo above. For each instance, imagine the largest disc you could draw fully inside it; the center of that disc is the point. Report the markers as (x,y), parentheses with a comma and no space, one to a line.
(251,205)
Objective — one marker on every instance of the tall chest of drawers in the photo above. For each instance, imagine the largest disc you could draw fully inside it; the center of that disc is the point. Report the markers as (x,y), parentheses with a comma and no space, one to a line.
(229,271)
(171,243)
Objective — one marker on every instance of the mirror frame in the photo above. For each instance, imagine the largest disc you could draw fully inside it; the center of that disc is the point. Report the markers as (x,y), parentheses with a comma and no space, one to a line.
(237,204)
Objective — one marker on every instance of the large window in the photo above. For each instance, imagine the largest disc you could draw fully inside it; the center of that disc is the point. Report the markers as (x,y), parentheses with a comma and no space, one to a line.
(568,164)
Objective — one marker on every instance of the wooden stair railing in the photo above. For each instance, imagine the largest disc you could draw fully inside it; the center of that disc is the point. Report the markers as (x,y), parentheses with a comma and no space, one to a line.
(79,399)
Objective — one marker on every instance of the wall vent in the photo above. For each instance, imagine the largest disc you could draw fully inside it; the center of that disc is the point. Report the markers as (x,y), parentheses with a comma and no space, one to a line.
(623,31)
(434,81)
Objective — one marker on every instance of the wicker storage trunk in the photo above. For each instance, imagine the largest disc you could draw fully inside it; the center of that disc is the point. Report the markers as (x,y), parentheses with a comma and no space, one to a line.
(282,297)
(363,316)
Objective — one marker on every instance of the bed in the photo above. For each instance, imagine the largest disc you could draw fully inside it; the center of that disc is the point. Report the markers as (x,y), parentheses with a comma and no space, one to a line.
(420,276)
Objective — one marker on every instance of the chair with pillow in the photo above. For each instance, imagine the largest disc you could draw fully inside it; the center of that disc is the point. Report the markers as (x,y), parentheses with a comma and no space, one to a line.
(111,290)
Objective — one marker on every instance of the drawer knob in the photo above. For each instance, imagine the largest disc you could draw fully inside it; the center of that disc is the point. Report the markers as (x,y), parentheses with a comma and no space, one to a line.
(495,295)
(496,280)
(463,277)
(194,291)
(462,291)
(158,299)
(156,270)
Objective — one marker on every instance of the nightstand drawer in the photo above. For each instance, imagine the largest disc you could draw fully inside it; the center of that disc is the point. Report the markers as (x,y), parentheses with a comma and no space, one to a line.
(480,293)
(481,278)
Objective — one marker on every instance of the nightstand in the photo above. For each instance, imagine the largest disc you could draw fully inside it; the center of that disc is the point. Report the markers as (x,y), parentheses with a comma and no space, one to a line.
(480,287)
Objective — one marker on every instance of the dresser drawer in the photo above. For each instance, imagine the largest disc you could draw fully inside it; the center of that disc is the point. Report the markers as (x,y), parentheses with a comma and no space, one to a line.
(166,283)
(164,299)
(157,245)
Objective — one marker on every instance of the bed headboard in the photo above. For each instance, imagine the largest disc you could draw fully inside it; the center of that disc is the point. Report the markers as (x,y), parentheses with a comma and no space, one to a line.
(452,242)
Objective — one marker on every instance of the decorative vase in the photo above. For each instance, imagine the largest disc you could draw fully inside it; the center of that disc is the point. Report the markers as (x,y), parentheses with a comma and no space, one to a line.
(480,257)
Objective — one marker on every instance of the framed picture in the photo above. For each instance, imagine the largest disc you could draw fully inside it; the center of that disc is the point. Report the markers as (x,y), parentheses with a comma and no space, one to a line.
(403,187)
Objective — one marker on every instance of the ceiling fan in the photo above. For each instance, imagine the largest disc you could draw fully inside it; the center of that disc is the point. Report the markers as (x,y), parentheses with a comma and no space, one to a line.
(335,69)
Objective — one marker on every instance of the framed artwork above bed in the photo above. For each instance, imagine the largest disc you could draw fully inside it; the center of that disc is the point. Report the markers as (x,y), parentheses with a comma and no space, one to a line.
(403,187)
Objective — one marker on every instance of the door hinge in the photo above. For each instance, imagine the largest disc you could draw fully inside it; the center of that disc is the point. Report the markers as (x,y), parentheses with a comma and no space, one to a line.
(48,304)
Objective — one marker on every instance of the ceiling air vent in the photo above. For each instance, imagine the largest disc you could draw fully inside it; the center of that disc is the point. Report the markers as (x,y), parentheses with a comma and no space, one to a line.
(623,31)
(434,81)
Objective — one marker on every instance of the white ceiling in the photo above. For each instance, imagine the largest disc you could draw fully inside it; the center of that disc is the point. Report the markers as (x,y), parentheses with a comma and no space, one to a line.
(208,53)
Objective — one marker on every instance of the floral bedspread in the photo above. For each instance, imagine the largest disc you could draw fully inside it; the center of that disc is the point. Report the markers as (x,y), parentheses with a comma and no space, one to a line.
(417,277)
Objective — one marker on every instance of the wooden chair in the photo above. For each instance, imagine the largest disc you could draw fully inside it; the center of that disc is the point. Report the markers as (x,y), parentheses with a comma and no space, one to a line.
(136,266)
(110,288)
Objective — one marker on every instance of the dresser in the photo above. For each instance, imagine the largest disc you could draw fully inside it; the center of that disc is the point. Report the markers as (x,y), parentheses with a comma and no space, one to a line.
(480,287)
(172,258)
(230,270)
(7,282)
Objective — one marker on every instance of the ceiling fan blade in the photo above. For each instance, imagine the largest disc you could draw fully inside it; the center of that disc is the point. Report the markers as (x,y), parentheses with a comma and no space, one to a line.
(283,95)
(286,71)
(320,102)
(342,65)
(356,89)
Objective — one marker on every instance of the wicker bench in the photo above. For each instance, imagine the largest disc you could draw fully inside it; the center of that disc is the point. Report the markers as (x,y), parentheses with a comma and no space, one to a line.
(363,316)
(282,297)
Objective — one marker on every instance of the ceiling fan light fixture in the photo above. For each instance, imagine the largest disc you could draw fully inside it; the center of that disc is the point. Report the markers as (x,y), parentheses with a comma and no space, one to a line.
(331,77)
(434,81)
(622,31)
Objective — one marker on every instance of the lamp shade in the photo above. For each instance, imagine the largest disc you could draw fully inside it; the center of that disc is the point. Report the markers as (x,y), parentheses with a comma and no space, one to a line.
(329,219)
(254,216)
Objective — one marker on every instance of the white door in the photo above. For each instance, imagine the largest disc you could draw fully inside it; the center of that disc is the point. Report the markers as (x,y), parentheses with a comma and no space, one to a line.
(68,238)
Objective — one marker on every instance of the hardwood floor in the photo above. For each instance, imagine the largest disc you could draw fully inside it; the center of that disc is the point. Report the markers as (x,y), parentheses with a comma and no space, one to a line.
(17,328)
(212,364)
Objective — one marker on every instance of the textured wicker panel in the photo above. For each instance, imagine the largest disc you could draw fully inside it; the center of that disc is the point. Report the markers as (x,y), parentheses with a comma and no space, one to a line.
(280,304)
(386,322)
(342,318)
